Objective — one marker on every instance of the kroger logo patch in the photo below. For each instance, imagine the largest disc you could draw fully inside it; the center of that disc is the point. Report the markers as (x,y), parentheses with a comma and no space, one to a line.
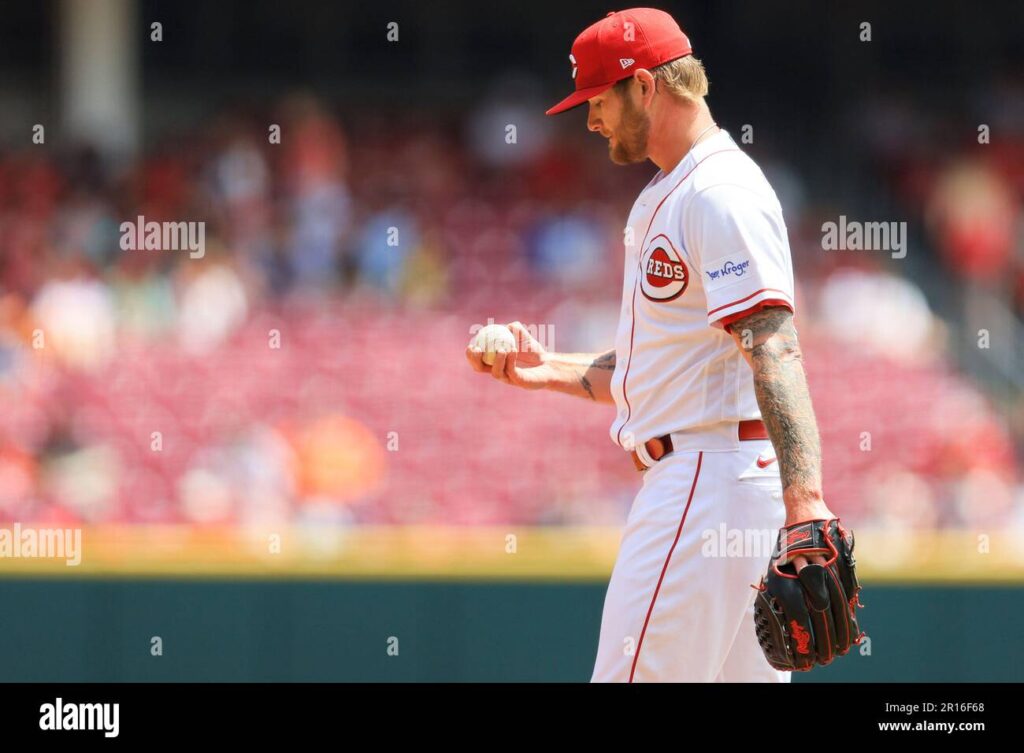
(725,272)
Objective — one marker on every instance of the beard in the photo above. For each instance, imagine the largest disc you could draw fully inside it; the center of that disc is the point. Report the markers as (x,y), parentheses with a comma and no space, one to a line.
(631,138)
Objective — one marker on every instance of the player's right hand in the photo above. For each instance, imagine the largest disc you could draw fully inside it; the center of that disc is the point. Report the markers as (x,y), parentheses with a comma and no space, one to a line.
(523,367)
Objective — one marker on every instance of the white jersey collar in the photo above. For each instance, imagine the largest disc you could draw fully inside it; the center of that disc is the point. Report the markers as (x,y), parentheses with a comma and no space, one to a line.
(710,144)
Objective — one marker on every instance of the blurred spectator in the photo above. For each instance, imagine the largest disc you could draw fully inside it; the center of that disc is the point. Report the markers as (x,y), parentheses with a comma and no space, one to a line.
(875,310)
(76,317)
(569,249)
(985,501)
(213,305)
(974,217)
(314,164)
(900,500)
(388,238)
(508,128)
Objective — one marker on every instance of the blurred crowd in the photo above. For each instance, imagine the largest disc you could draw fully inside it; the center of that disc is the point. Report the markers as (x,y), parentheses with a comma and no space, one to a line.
(308,367)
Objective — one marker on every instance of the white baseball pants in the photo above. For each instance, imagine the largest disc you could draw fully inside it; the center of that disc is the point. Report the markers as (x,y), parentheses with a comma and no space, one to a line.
(680,607)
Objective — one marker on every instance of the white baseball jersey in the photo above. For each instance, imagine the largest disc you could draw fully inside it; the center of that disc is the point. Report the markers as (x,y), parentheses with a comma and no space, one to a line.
(705,245)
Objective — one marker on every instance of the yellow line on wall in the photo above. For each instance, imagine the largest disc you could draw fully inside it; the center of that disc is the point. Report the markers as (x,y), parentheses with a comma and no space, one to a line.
(470,553)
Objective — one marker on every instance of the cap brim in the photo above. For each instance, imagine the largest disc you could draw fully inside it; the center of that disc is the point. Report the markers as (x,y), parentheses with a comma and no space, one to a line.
(578,97)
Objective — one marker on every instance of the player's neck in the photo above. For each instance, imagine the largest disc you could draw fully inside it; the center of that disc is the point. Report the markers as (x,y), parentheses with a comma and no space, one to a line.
(682,126)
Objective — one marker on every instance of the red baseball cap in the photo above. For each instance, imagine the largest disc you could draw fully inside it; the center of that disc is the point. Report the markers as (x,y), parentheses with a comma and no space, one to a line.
(620,43)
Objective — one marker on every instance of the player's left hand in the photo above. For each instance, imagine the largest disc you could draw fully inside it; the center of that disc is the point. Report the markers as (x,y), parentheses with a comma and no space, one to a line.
(794,516)
(805,610)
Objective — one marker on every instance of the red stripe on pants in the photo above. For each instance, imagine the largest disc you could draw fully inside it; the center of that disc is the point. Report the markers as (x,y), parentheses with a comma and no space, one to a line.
(650,610)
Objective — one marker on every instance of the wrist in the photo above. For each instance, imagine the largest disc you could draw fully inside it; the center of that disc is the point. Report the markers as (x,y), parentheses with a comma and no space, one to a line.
(560,374)
(548,367)
(804,503)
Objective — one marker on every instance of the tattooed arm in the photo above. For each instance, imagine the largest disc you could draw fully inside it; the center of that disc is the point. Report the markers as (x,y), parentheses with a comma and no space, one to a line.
(531,367)
(586,375)
(768,342)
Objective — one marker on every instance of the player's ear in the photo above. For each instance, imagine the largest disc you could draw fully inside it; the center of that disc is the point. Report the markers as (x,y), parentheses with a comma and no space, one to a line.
(646,85)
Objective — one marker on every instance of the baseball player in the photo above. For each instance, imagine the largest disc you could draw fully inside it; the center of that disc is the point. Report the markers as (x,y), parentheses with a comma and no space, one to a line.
(706,376)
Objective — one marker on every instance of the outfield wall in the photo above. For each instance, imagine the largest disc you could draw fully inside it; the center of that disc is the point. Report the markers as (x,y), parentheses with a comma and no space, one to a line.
(331,630)
(457,604)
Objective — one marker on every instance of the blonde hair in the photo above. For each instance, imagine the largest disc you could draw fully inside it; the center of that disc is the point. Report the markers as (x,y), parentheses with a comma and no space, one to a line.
(683,77)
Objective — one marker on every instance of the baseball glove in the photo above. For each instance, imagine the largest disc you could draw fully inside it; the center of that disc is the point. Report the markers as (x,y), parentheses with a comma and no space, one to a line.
(808,619)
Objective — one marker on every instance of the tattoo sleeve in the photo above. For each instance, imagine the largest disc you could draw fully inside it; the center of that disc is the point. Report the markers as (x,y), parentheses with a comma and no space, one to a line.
(605,362)
(768,341)
(585,375)
(585,384)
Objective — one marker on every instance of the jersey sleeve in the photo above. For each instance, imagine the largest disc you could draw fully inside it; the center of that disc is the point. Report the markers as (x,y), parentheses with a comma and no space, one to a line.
(737,239)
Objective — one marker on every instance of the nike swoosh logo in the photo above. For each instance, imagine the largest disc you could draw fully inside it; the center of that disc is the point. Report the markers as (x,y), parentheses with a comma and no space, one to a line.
(765,463)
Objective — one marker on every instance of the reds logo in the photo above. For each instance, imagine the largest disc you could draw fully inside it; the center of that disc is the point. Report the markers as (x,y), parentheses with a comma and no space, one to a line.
(663,274)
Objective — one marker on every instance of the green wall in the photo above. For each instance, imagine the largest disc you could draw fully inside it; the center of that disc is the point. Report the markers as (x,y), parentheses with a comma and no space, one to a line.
(287,630)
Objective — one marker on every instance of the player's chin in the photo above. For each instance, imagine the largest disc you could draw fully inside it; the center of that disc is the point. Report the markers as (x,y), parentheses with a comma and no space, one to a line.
(623,157)
(620,155)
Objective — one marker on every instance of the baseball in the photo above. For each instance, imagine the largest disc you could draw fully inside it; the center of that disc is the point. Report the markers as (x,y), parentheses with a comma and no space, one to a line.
(494,339)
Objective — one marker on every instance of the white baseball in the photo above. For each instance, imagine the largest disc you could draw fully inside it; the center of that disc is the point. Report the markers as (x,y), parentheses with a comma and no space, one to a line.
(494,339)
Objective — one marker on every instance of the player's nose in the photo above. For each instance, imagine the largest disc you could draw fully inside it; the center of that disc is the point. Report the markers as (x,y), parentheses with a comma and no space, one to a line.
(593,124)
